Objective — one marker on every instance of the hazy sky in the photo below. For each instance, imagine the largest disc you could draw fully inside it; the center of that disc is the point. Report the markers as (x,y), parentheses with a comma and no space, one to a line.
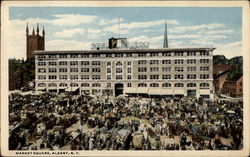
(75,28)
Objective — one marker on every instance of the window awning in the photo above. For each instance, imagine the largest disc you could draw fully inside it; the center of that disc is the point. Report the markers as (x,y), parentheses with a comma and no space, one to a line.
(156,91)
(69,89)
(204,91)
(179,91)
(129,90)
(167,92)
(142,90)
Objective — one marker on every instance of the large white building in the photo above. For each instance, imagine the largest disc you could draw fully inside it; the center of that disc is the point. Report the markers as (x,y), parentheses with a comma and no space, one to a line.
(165,71)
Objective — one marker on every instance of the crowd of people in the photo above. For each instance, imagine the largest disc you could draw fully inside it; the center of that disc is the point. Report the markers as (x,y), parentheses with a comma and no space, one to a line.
(49,121)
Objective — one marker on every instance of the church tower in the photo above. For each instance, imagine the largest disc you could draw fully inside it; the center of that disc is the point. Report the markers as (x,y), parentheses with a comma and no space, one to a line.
(165,44)
(34,41)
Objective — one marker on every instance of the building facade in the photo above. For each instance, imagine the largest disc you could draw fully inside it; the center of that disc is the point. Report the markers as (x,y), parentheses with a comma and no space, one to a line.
(166,71)
(234,86)
(34,42)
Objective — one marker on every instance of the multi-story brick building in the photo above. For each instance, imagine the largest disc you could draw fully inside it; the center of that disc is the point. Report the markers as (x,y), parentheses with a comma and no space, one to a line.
(164,71)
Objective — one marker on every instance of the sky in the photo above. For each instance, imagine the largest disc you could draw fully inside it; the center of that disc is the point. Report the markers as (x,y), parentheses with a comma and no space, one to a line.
(75,28)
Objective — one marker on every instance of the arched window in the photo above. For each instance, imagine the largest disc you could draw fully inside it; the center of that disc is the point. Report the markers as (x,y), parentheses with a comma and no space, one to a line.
(85,85)
(96,85)
(41,85)
(63,85)
(52,85)
(166,85)
(73,85)
(191,85)
(142,85)
(179,85)
(204,85)
(118,64)
(154,85)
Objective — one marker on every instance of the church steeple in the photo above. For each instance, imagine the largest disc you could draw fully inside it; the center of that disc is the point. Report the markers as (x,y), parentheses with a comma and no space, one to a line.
(27,29)
(37,29)
(43,32)
(165,44)
(33,32)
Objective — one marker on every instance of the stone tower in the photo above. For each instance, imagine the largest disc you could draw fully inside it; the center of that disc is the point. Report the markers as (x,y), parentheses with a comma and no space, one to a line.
(165,44)
(34,41)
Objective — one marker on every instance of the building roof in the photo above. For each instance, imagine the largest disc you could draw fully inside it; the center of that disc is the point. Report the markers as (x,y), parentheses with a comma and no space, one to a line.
(236,77)
(223,73)
(124,50)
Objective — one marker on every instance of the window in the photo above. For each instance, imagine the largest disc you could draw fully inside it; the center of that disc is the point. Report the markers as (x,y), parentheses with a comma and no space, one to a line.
(166,54)
(129,85)
(154,62)
(52,77)
(52,63)
(179,69)
(118,55)
(166,61)
(73,62)
(142,85)
(191,85)
(52,85)
(63,56)
(96,85)
(191,68)
(41,77)
(96,77)
(153,69)
(84,62)
(129,63)
(129,70)
(42,70)
(74,77)
(178,54)
(41,63)
(108,84)
(166,85)
(51,56)
(204,61)
(95,55)
(204,85)
(154,54)
(205,53)
(142,54)
(118,64)
(191,76)
(109,55)
(85,85)
(142,62)
(84,69)
(96,70)
(73,85)
(118,77)
(142,77)
(179,85)
(191,61)
(108,77)
(108,63)
(84,55)
(166,77)
(178,61)
(63,63)
(85,77)
(41,85)
(118,70)
(204,76)
(142,69)
(73,70)
(154,77)
(41,56)
(128,54)
(191,54)
(63,77)
(129,77)
(154,85)
(63,85)
(52,70)
(178,77)
(166,69)
(108,70)
(73,56)
(204,68)
(96,63)
(63,70)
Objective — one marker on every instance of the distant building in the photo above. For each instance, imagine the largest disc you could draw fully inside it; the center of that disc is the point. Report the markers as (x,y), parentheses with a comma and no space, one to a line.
(34,42)
(219,80)
(220,68)
(234,86)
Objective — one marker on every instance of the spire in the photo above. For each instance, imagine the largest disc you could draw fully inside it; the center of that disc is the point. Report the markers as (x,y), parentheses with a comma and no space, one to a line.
(33,32)
(27,29)
(165,44)
(43,32)
(37,29)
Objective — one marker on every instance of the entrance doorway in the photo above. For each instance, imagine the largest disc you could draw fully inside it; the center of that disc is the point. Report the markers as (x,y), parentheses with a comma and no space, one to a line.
(191,93)
(118,89)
